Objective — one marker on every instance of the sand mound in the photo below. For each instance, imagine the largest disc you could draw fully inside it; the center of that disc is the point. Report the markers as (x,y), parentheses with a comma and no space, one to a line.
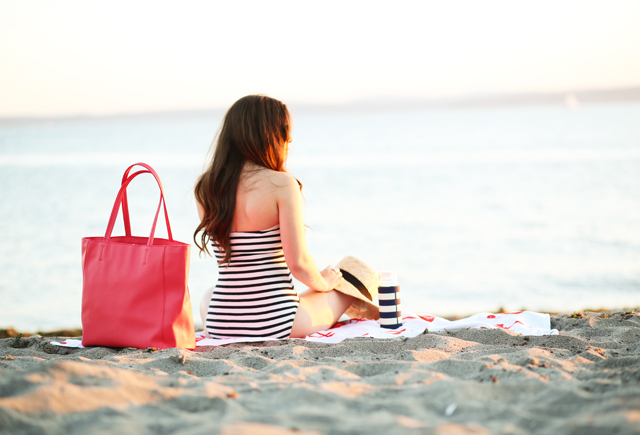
(585,380)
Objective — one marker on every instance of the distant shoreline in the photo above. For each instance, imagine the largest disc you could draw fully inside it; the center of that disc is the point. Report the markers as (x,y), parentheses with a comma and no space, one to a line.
(571,99)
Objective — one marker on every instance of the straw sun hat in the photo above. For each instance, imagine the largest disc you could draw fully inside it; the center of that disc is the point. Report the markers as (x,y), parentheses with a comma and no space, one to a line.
(361,282)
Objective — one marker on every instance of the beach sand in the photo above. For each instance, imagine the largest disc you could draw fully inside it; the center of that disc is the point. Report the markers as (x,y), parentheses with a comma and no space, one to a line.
(474,381)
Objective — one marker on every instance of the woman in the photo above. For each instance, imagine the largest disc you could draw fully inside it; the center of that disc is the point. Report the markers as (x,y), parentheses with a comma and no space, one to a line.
(250,209)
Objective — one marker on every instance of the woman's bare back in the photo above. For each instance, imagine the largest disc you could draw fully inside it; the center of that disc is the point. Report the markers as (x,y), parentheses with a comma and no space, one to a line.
(256,199)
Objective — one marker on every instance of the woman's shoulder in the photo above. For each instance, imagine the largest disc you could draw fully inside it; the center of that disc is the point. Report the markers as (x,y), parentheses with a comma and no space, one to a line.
(272,178)
(286,185)
(283,179)
(269,182)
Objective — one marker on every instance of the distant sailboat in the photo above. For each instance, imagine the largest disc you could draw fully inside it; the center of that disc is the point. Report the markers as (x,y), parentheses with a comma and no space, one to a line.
(571,101)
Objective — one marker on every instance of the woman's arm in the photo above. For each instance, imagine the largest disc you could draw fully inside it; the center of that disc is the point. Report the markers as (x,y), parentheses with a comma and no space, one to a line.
(294,242)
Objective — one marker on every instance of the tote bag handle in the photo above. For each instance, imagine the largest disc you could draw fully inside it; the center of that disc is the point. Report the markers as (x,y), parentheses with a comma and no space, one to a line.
(125,203)
(120,199)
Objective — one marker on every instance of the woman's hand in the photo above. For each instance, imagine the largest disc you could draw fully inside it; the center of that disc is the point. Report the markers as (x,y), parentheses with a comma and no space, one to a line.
(332,277)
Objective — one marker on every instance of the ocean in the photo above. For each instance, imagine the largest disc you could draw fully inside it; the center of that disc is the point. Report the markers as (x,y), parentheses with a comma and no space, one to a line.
(476,209)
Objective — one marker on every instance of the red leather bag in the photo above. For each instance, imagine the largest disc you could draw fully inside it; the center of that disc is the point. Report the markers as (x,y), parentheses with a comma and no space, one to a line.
(135,291)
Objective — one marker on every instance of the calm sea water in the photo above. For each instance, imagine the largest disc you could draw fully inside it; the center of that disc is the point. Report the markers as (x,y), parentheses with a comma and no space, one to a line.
(476,209)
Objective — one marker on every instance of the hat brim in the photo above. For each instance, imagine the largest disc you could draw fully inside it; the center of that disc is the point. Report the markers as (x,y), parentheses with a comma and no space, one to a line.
(361,307)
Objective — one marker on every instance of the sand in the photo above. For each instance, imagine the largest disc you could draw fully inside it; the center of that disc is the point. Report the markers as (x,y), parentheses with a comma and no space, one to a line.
(475,381)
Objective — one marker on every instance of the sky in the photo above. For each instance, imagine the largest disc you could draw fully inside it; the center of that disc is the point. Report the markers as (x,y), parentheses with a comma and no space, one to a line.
(67,58)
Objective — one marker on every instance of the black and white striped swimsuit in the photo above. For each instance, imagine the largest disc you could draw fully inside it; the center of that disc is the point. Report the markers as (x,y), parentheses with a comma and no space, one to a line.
(254,296)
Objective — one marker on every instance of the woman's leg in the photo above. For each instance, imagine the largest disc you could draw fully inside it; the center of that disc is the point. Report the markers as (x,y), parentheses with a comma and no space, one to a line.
(204,307)
(319,311)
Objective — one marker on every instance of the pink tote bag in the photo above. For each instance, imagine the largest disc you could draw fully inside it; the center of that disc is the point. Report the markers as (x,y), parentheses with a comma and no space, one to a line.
(135,289)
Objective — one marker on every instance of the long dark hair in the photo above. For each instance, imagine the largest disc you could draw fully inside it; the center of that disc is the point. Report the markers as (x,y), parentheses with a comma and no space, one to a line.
(255,128)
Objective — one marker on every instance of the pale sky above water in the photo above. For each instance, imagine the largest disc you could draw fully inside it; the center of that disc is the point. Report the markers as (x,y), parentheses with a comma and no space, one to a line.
(103,57)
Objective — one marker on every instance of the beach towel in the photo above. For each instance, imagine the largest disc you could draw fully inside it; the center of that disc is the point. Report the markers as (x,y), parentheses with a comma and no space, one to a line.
(520,322)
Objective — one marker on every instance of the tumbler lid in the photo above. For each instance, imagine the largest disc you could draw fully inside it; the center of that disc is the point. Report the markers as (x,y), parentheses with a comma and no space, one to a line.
(388,278)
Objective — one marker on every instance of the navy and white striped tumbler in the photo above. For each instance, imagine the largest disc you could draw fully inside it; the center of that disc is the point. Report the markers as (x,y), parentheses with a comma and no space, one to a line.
(389,300)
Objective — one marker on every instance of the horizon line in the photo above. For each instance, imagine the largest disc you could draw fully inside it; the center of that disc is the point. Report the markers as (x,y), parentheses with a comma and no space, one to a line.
(386,101)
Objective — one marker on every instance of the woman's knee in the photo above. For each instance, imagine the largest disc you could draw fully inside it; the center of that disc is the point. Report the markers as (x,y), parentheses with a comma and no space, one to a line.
(319,311)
